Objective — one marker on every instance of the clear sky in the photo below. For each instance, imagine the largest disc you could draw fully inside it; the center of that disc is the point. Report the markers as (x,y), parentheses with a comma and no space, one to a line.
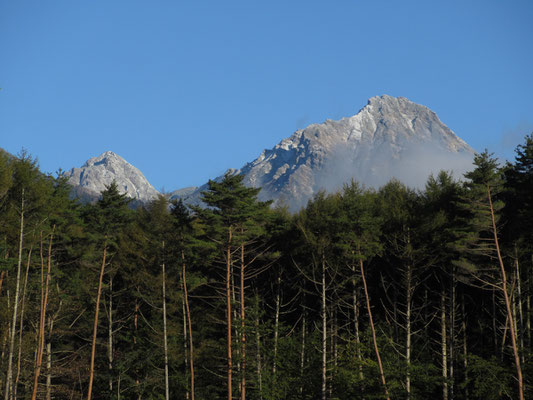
(184,90)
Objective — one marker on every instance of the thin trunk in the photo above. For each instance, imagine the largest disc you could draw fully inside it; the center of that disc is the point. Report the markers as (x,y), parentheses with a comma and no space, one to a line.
(42,321)
(188,312)
(258,350)
(381,372)
(302,350)
(507,301)
(444,348)
(465,343)
(49,359)
(110,336)
(494,323)
(243,332)
(185,344)
(356,325)
(520,329)
(22,323)
(135,330)
(8,388)
(452,335)
(276,326)
(236,335)
(323,316)
(408,292)
(228,315)
(528,316)
(165,344)
(529,281)
(2,274)
(334,332)
(95,326)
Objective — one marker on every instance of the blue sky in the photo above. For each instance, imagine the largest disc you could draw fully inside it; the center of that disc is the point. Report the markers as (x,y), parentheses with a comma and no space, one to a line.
(184,90)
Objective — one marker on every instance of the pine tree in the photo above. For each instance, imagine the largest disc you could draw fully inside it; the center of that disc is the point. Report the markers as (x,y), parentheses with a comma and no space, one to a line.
(484,186)
(232,209)
(108,218)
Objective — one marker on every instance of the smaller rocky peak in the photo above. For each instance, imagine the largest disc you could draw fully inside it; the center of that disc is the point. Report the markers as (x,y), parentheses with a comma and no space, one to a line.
(99,172)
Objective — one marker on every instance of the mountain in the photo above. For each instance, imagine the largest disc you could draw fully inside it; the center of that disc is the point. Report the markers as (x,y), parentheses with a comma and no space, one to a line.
(98,172)
(388,138)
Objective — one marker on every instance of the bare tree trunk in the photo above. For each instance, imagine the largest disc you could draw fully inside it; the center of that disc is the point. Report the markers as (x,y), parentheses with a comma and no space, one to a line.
(258,350)
(243,326)
(49,360)
(302,350)
(21,329)
(465,343)
(276,327)
(42,322)
(381,372)
(110,336)
(2,274)
(494,323)
(520,330)
(444,347)
(95,326)
(38,353)
(452,335)
(185,344)
(9,378)
(334,333)
(528,315)
(135,327)
(356,325)
(228,307)
(408,295)
(507,300)
(188,312)
(165,344)
(323,316)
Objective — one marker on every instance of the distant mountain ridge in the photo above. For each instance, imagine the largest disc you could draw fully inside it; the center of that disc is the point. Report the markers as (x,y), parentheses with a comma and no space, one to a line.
(388,138)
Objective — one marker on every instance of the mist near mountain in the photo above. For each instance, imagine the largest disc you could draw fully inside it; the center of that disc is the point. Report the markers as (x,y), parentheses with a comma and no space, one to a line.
(413,167)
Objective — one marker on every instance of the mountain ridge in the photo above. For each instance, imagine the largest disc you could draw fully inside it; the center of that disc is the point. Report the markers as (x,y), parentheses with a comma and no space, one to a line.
(390,137)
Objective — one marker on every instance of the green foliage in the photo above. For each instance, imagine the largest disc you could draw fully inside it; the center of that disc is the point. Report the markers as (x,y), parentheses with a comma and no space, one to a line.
(488,379)
(442,234)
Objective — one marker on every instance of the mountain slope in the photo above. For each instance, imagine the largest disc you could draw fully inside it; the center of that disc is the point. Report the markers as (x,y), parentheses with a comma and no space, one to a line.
(98,172)
(388,138)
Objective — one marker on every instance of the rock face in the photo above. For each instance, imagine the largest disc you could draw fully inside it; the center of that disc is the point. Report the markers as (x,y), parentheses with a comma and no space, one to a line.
(99,172)
(388,138)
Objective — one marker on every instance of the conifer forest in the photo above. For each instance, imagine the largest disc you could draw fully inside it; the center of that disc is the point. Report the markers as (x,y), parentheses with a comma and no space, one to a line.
(388,293)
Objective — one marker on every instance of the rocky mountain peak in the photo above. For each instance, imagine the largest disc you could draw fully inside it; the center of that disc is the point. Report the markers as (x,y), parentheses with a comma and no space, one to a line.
(390,137)
(98,172)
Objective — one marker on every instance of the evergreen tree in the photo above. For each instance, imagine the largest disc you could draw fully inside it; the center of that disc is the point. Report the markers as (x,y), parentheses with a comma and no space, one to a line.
(231,218)
(484,186)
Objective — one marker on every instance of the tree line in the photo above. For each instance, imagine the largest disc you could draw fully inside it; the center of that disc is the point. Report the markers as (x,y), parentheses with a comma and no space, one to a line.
(391,293)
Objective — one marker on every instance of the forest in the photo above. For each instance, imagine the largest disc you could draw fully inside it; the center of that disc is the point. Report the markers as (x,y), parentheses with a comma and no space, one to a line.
(389,293)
